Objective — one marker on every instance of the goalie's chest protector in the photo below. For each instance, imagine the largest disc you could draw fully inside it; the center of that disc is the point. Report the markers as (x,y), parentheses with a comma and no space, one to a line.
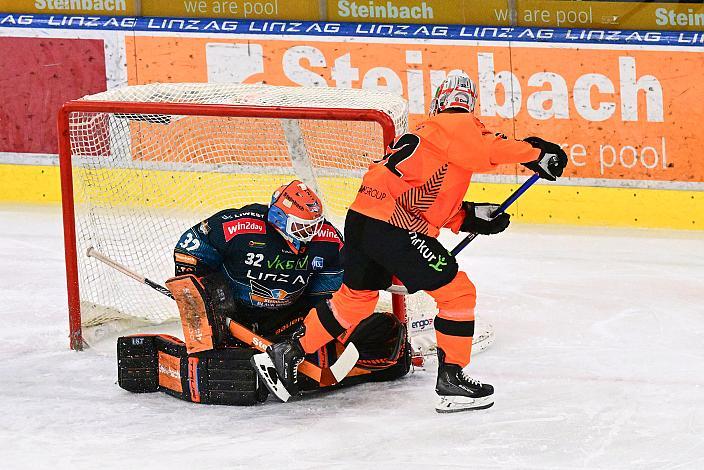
(263,270)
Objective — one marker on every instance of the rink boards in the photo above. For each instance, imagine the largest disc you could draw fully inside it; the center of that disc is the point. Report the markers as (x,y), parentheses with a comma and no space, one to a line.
(544,203)
(620,102)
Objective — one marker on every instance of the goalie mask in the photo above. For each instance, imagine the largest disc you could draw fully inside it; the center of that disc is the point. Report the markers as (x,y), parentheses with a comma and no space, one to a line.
(455,92)
(296,213)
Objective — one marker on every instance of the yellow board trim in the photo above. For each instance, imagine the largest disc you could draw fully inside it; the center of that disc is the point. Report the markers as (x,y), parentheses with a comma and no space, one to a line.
(599,206)
(29,184)
(543,203)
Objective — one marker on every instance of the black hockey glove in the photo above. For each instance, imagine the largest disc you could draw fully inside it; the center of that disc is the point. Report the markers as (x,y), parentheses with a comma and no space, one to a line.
(552,159)
(478,218)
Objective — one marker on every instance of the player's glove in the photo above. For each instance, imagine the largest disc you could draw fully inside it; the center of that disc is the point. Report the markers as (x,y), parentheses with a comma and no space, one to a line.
(478,218)
(552,159)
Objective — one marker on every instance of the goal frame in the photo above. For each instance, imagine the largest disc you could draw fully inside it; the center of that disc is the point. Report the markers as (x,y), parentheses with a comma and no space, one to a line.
(183,109)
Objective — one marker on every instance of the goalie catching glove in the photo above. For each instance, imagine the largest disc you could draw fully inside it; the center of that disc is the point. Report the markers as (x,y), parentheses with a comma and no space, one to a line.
(479,218)
(551,162)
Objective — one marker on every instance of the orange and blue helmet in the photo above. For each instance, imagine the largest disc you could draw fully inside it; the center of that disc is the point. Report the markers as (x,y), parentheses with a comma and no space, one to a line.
(296,212)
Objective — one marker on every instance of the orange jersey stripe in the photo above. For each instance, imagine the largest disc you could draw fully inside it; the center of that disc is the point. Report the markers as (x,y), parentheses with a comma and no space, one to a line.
(420,183)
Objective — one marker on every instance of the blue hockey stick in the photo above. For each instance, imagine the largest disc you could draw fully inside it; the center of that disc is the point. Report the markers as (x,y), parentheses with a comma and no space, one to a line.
(502,208)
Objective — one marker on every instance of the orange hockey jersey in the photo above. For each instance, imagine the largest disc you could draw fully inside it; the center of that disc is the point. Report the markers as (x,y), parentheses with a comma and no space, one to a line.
(420,183)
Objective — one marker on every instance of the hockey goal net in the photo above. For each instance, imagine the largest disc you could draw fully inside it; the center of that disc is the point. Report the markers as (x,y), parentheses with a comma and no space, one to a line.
(141,164)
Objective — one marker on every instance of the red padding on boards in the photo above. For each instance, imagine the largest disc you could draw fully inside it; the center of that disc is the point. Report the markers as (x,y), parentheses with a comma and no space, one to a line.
(38,75)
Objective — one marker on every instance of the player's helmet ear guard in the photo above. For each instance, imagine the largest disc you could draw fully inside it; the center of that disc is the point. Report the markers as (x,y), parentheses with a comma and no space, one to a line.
(296,212)
(457,91)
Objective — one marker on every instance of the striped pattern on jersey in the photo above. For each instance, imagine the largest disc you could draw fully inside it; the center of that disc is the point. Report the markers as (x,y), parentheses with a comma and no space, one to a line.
(408,213)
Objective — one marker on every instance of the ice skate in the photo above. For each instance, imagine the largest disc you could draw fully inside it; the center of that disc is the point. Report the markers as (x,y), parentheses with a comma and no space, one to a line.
(459,392)
(278,366)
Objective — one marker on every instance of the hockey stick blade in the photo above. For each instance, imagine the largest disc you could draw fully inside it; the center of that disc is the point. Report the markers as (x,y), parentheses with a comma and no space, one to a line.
(265,369)
(345,363)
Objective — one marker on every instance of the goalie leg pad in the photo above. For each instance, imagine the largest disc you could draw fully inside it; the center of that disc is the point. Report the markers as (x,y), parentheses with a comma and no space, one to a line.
(150,363)
(383,347)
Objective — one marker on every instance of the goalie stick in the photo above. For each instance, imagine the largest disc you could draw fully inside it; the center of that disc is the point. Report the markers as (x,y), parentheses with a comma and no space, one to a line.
(325,376)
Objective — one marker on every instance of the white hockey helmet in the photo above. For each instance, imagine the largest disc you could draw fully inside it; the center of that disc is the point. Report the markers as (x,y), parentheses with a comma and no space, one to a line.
(457,91)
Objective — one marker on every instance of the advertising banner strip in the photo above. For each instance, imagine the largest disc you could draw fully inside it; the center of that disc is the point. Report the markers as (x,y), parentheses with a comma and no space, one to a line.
(360,30)
(73,7)
(620,102)
(608,15)
(532,13)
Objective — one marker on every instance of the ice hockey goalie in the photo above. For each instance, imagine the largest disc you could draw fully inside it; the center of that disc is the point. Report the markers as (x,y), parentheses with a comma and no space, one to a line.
(264,267)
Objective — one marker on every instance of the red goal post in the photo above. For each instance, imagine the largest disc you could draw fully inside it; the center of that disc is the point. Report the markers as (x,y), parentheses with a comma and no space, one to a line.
(121,157)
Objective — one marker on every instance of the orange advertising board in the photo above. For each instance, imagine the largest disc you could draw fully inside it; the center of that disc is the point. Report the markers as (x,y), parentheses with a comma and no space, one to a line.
(622,114)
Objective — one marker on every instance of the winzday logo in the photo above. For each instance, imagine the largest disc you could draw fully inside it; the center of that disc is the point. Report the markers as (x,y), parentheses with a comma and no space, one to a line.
(242,226)
(327,234)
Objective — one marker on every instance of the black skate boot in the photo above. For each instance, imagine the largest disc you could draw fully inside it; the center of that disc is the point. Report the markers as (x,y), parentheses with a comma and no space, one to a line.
(278,366)
(457,391)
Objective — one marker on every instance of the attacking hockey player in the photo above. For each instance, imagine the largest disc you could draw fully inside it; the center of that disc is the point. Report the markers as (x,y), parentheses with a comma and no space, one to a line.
(391,229)
(265,268)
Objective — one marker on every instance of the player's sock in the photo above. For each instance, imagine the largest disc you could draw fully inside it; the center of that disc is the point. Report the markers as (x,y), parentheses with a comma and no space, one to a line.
(459,392)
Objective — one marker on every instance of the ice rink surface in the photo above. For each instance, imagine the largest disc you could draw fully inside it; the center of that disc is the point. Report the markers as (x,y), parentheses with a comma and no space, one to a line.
(598,364)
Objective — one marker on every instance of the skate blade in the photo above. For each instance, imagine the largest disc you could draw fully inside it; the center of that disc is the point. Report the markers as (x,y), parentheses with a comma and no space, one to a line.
(267,372)
(451,404)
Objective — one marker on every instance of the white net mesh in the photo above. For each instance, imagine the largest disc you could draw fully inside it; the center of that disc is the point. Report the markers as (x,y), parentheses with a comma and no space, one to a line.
(142,178)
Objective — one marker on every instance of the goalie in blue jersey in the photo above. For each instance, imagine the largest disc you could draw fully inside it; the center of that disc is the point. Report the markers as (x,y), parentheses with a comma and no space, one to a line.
(264,267)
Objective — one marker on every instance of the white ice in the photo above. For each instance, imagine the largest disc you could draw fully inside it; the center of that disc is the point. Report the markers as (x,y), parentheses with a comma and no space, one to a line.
(598,364)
